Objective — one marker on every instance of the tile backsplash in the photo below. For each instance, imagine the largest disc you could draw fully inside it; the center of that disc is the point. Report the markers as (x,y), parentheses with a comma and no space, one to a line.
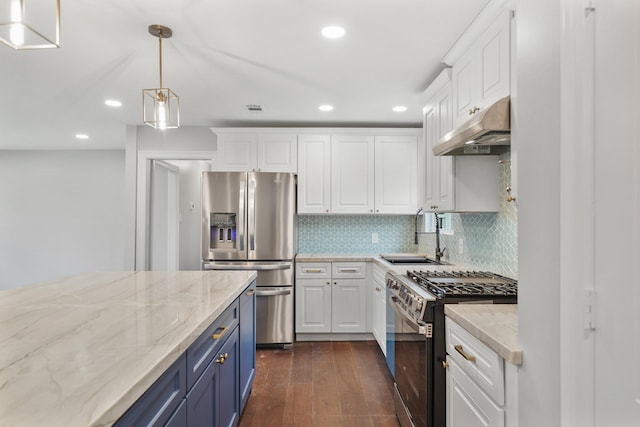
(490,240)
(351,234)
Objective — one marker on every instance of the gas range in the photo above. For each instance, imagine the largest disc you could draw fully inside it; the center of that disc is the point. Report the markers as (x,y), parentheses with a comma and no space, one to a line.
(418,346)
(417,289)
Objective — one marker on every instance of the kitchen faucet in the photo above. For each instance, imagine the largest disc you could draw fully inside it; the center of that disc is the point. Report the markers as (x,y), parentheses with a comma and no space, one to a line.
(439,252)
(415,239)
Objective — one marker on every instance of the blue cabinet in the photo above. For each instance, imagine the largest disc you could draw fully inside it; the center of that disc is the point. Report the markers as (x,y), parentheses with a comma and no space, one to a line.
(204,386)
(247,343)
(156,406)
(214,399)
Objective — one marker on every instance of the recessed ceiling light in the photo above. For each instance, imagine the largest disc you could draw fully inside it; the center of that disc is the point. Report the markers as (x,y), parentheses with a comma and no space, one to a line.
(325,107)
(82,136)
(333,32)
(113,103)
(399,108)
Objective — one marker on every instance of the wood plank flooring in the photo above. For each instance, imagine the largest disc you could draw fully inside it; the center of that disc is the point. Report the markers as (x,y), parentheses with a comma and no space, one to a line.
(321,384)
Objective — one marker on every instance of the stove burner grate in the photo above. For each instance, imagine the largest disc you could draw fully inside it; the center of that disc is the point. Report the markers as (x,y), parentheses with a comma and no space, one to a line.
(444,284)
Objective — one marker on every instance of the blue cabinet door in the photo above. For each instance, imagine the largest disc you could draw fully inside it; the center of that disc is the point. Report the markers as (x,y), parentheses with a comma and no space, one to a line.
(247,343)
(229,383)
(214,400)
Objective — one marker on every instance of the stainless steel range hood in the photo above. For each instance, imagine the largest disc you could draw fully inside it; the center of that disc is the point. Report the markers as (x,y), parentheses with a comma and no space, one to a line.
(488,132)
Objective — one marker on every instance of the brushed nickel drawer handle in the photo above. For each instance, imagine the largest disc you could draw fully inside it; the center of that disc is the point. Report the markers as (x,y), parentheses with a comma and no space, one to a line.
(466,356)
(312,271)
(348,270)
(223,330)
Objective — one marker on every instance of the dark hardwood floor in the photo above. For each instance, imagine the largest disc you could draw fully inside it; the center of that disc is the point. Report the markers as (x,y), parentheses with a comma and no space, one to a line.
(321,384)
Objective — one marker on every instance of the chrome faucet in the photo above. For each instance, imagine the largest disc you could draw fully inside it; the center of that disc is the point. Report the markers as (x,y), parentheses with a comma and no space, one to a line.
(439,252)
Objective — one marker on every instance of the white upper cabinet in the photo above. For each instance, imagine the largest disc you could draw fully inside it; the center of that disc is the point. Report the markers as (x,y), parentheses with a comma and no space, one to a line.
(314,175)
(361,173)
(396,174)
(438,185)
(244,151)
(278,153)
(352,174)
(481,75)
(236,153)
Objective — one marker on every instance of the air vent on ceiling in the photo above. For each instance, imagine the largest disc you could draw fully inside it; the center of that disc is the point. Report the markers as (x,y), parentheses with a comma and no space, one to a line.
(254,108)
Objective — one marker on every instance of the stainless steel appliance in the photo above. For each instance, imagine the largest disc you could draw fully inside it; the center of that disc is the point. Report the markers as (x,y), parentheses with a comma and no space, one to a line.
(248,223)
(487,132)
(418,300)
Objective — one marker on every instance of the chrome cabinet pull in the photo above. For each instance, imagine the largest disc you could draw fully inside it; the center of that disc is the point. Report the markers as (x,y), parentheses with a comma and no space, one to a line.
(466,356)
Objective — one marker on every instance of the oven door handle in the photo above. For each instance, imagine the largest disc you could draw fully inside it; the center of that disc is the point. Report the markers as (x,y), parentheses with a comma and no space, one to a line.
(425,329)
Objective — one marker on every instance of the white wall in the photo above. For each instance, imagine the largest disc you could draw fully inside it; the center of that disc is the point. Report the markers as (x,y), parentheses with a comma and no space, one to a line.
(61,213)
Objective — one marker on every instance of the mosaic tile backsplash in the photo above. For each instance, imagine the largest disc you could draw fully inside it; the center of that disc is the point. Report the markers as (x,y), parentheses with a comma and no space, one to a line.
(490,240)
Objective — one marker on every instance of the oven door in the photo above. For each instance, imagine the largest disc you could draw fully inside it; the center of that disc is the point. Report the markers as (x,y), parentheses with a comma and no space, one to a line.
(413,369)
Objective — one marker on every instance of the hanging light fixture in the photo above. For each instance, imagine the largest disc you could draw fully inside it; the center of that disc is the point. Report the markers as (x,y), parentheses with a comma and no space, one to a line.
(30,24)
(160,106)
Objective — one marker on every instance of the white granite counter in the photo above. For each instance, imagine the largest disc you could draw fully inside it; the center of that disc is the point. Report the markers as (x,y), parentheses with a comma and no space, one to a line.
(496,325)
(79,351)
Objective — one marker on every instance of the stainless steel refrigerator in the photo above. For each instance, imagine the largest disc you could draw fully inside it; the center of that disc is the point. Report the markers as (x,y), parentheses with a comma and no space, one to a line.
(249,223)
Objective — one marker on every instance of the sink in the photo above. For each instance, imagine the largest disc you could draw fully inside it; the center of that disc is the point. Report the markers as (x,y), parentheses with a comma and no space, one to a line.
(410,259)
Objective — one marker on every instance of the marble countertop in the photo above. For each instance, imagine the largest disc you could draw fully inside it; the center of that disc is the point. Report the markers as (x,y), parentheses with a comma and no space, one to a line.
(496,325)
(398,268)
(79,351)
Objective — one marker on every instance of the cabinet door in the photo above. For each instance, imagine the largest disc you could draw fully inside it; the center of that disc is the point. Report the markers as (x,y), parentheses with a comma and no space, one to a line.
(313,305)
(467,405)
(348,301)
(352,174)
(247,343)
(229,383)
(314,174)
(494,50)
(466,86)
(439,173)
(236,153)
(379,315)
(214,400)
(481,77)
(396,171)
(278,153)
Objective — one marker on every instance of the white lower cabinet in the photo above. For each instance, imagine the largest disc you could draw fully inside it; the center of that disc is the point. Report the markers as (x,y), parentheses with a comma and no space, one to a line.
(481,386)
(331,297)
(379,308)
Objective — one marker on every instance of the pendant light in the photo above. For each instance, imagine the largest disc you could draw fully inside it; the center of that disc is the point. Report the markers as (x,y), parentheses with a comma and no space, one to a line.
(30,24)
(160,106)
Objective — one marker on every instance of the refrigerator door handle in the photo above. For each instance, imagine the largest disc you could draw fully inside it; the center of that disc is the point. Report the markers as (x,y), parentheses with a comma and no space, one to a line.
(261,267)
(240,222)
(252,213)
(273,293)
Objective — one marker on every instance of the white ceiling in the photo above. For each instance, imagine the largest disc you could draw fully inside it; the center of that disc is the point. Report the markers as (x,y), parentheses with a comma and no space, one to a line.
(223,55)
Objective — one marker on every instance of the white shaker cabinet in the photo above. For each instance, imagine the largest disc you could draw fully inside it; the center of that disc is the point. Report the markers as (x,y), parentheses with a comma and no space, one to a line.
(396,174)
(438,186)
(314,175)
(352,174)
(481,385)
(331,297)
(482,75)
(358,173)
(379,307)
(243,150)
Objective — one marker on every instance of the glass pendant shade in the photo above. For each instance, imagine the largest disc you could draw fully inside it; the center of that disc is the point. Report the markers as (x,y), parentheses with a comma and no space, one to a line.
(30,24)
(161,108)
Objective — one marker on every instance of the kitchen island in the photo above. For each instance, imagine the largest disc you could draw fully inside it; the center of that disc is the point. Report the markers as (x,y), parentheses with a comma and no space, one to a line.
(79,351)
